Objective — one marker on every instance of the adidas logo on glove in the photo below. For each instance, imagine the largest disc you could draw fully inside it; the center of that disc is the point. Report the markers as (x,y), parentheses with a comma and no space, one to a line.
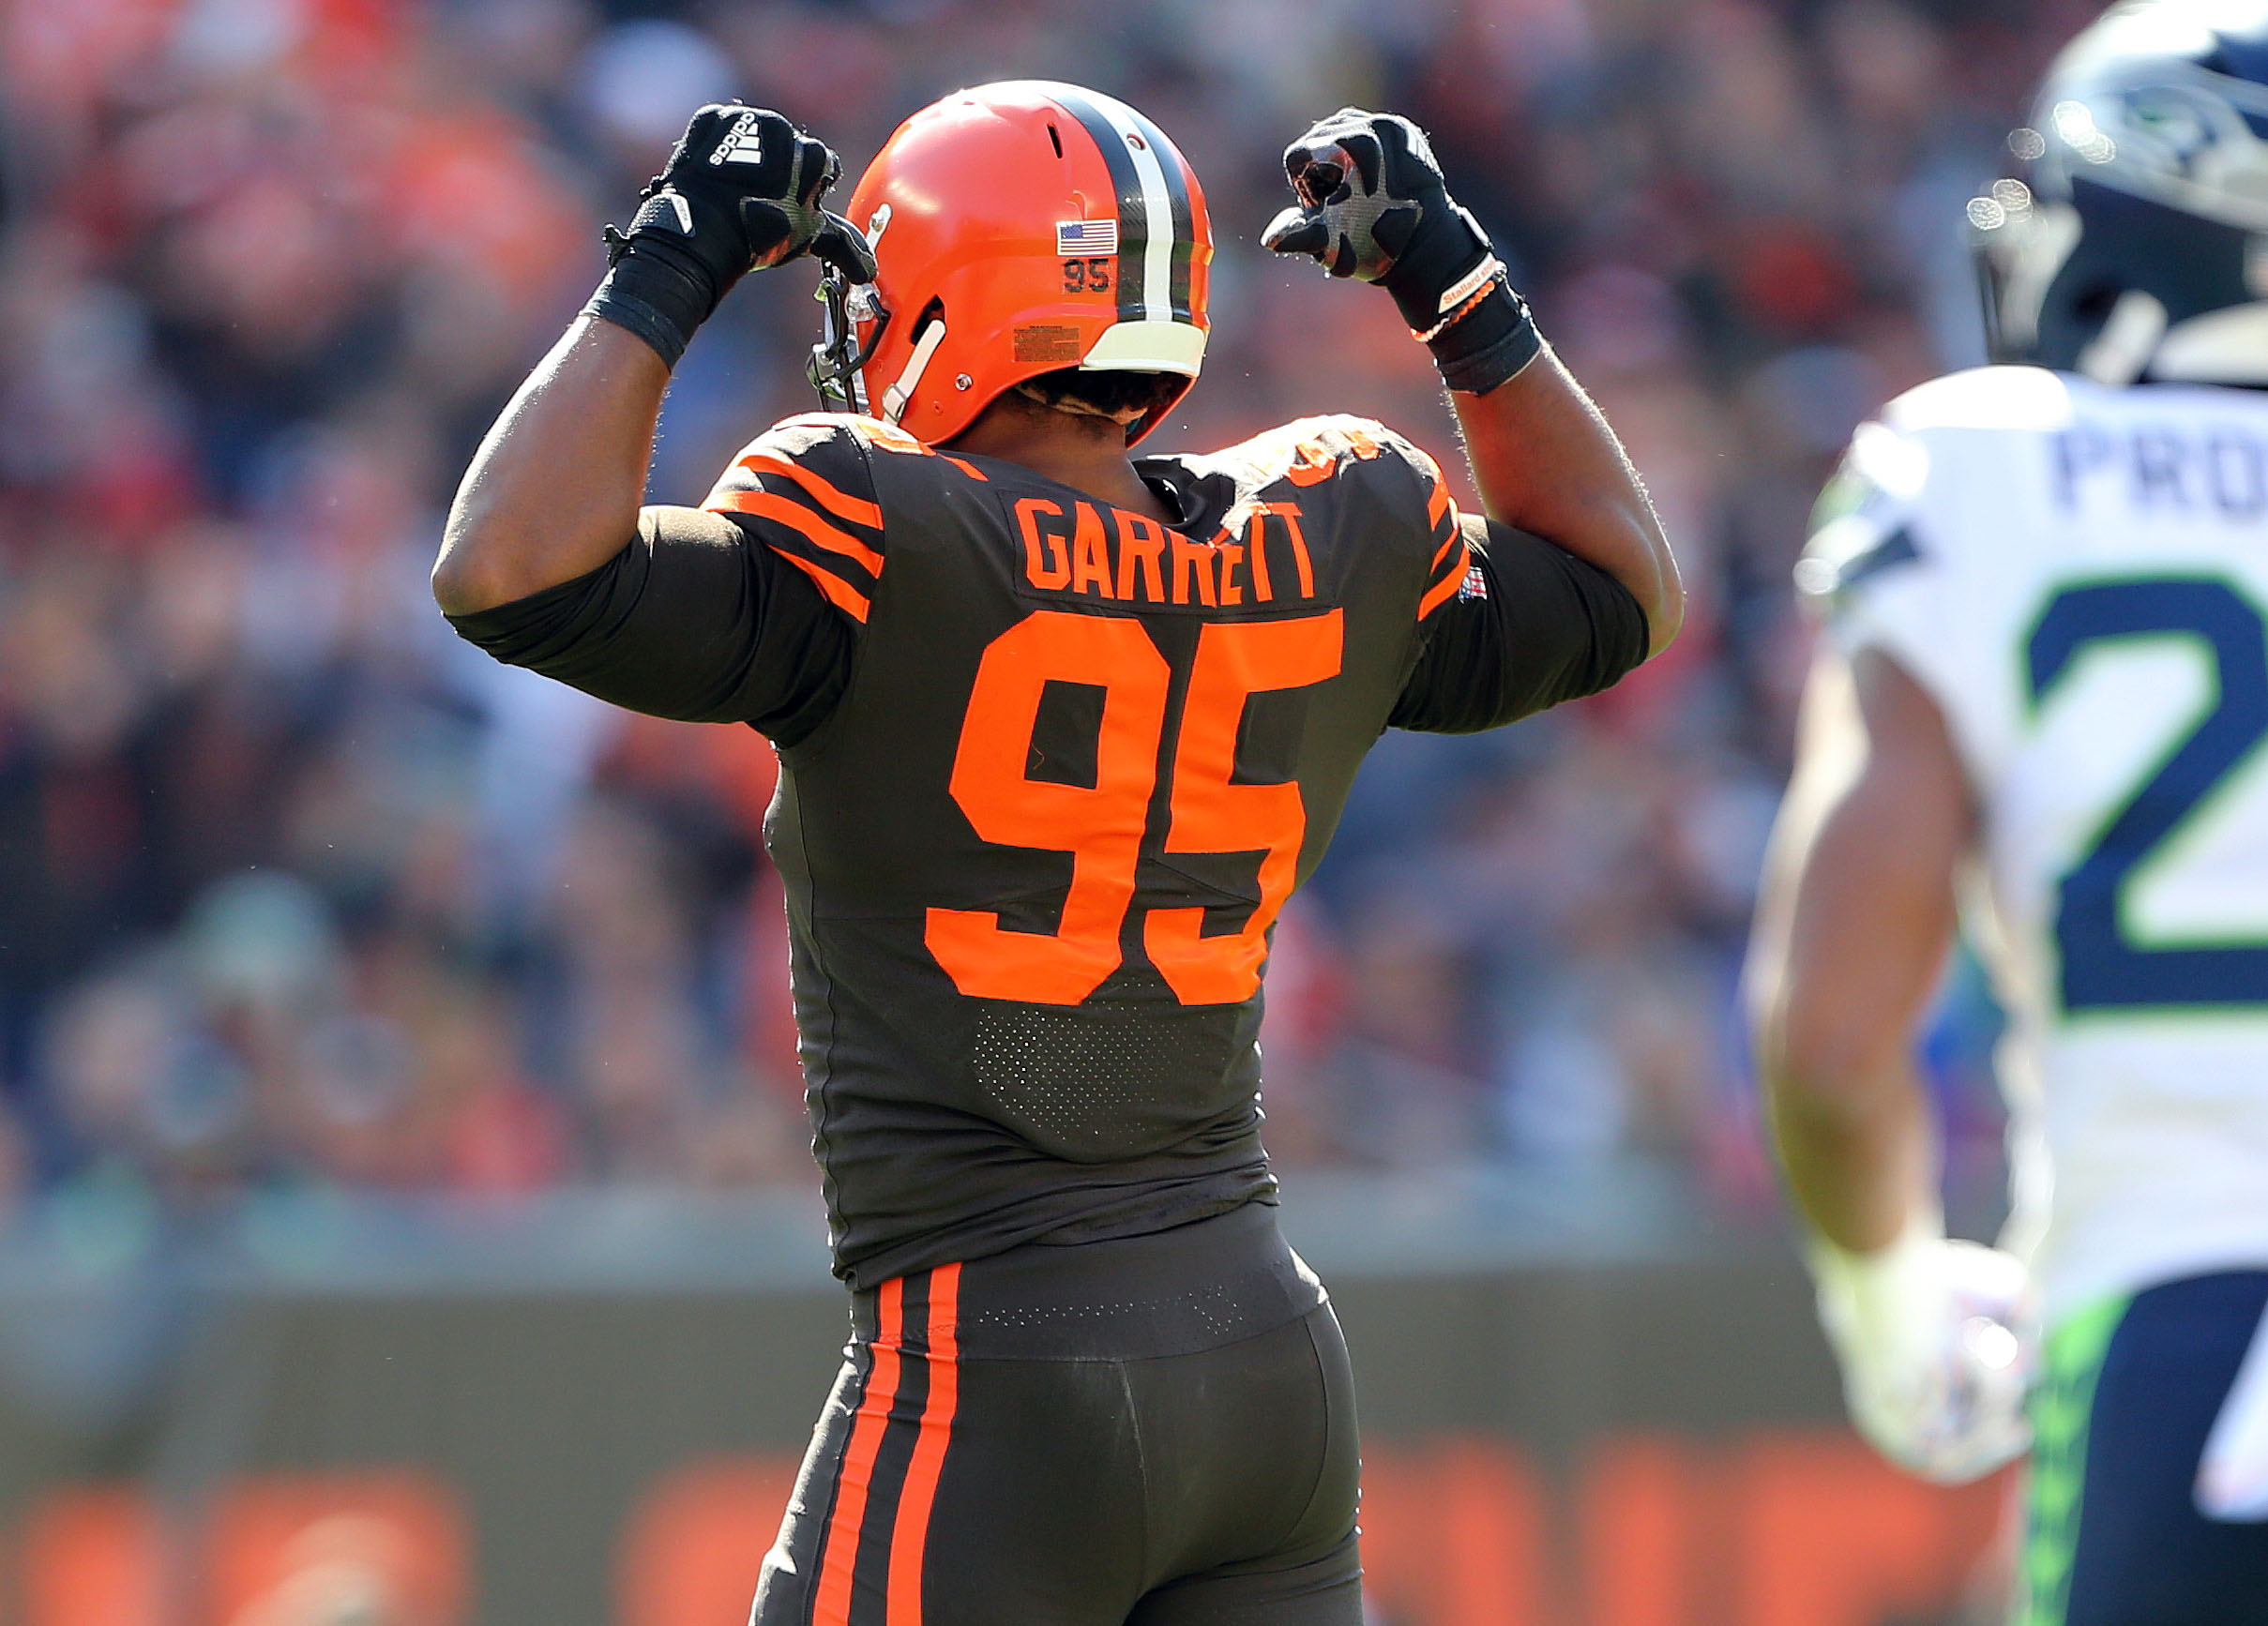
(744,146)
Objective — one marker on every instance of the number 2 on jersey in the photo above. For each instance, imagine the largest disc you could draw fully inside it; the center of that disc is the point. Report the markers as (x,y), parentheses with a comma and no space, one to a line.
(1102,826)
(2102,966)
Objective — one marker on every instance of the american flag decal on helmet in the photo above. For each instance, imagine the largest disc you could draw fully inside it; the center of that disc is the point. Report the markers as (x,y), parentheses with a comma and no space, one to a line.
(1075,237)
(1155,235)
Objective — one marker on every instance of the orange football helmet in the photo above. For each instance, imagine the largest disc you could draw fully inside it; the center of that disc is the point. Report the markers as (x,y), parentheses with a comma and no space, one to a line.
(1017,228)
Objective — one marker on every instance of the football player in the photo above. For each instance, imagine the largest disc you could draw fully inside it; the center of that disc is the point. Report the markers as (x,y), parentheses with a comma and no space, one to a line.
(2043,692)
(1060,729)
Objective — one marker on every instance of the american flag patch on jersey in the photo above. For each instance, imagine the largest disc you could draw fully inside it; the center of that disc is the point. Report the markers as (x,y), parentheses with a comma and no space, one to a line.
(1475,585)
(1087,237)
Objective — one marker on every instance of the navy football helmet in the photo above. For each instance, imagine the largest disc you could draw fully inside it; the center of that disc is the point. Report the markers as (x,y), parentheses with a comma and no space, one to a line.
(2139,249)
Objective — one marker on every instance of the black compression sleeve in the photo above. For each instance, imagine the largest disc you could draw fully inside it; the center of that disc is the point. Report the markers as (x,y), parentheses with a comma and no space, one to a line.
(693,620)
(1549,628)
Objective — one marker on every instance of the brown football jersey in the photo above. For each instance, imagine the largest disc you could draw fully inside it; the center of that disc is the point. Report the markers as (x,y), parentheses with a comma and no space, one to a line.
(1051,769)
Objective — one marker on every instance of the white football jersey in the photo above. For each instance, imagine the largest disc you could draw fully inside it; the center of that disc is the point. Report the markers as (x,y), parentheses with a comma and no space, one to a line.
(2078,576)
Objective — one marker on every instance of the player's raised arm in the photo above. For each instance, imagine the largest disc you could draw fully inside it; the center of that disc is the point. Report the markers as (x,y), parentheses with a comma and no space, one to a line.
(1372,205)
(1545,462)
(553,491)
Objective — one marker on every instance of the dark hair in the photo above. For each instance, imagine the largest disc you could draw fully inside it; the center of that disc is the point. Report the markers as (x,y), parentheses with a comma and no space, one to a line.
(1107,394)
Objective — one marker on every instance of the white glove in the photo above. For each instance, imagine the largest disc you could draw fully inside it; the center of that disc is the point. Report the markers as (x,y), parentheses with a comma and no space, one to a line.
(2232,1477)
(1936,1345)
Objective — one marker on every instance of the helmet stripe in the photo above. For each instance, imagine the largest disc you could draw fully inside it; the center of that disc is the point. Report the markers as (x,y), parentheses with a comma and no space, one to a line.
(1155,231)
(1133,213)
(1184,223)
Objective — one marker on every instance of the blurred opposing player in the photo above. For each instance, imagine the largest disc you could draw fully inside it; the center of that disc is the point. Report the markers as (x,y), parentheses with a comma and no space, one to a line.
(2047,591)
(1059,732)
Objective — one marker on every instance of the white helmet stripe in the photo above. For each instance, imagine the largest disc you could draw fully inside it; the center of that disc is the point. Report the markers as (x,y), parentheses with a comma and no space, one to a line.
(1118,128)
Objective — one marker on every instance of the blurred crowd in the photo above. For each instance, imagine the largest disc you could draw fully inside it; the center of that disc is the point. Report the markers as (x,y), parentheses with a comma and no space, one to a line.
(297,889)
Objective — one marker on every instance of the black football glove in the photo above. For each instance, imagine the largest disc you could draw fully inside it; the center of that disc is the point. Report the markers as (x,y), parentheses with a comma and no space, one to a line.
(1372,205)
(741,192)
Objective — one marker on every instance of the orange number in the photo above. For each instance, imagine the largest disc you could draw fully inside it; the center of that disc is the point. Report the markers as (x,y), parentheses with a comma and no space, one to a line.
(1236,661)
(1100,827)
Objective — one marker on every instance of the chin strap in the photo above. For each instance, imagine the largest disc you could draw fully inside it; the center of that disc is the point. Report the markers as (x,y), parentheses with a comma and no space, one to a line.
(2120,352)
(894,399)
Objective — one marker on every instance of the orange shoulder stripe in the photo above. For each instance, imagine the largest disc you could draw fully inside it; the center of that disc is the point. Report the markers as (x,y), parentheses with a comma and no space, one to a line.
(840,593)
(1447,542)
(1447,585)
(1438,504)
(771,505)
(858,510)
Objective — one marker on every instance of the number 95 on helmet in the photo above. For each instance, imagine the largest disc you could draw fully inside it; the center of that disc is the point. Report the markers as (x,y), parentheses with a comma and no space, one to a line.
(1018,228)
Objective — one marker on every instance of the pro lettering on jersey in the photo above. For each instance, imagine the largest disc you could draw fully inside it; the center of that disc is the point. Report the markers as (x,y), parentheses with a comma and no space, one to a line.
(1076,548)
(2193,468)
